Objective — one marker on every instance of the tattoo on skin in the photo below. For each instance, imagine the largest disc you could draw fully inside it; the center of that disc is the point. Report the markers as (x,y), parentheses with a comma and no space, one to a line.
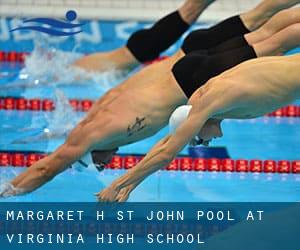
(137,126)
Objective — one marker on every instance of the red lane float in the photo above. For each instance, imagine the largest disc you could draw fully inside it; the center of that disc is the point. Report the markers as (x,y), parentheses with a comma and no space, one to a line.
(256,166)
(199,164)
(12,103)
(214,165)
(186,164)
(21,104)
(270,166)
(20,159)
(48,105)
(296,167)
(289,111)
(227,165)
(13,56)
(241,166)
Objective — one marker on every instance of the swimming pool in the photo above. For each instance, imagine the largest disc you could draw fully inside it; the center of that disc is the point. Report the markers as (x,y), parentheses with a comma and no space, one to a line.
(266,138)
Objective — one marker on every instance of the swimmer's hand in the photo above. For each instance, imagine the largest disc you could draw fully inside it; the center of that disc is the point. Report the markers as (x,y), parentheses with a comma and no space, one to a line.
(124,194)
(111,194)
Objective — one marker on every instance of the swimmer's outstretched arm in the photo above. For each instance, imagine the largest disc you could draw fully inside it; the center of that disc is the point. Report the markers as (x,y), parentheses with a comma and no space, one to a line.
(43,171)
(163,153)
(81,139)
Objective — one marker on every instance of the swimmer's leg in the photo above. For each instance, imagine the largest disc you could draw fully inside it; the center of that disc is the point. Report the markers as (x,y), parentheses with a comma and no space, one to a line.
(233,29)
(279,43)
(151,41)
(280,21)
(256,17)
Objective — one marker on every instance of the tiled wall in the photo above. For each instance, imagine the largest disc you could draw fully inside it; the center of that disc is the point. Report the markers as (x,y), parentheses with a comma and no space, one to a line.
(117,9)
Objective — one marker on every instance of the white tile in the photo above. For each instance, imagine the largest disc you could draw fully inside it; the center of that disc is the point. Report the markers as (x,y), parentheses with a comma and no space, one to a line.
(90,3)
(57,2)
(119,4)
(168,5)
(41,2)
(72,2)
(151,4)
(24,2)
(135,3)
(103,3)
(11,2)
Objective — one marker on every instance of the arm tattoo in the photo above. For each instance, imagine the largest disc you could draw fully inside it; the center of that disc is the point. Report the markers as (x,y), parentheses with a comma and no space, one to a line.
(137,126)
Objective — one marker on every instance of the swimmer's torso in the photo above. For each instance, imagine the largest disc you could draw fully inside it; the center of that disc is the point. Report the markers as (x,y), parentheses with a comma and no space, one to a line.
(143,103)
(261,86)
(154,90)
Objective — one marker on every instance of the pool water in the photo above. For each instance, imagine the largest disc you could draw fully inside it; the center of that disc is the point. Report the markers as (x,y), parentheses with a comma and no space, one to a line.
(263,138)
(73,186)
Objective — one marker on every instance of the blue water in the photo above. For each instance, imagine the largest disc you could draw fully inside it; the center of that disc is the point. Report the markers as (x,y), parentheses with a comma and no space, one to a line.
(263,138)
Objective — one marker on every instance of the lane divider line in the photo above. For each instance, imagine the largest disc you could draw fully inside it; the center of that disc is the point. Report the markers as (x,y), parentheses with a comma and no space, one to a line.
(84,105)
(26,159)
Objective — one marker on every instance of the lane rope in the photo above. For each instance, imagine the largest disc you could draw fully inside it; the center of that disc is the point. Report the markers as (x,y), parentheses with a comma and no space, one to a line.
(26,159)
(13,56)
(84,105)
(11,103)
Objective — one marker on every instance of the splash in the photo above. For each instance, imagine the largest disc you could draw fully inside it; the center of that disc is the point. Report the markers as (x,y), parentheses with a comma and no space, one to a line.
(8,190)
(59,122)
(63,119)
(48,66)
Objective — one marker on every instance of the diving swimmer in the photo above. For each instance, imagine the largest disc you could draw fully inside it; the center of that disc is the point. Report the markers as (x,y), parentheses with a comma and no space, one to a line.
(136,109)
(276,83)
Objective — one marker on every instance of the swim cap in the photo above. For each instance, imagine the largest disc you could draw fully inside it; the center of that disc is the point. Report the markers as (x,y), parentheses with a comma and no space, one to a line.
(178,117)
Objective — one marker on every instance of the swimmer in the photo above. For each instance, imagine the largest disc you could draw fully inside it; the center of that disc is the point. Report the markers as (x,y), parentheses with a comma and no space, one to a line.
(276,83)
(147,44)
(138,108)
